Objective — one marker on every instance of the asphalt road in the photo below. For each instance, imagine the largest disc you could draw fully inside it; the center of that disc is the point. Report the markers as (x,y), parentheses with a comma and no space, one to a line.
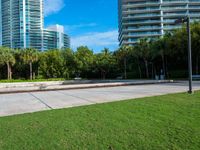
(20,103)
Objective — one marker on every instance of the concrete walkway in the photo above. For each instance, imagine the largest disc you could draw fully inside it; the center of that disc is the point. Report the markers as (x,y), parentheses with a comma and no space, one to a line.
(68,85)
(19,103)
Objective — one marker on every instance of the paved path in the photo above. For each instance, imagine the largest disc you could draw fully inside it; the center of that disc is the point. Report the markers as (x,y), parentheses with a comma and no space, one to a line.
(20,103)
(6,88)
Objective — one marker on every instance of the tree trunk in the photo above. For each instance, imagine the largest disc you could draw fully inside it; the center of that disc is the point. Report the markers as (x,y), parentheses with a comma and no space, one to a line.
(146,67)
(166,69)
(125,68)
(103,74)
(197,65)
(33,75)
(163,64)
(139,68)
(31,71)
(8,70)
(152,71)
(10,74)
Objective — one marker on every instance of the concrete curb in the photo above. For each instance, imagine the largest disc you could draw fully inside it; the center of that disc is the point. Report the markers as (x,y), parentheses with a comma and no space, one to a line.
(40,88)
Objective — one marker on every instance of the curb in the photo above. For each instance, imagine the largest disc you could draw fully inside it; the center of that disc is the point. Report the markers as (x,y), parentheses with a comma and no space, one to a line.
(86,86)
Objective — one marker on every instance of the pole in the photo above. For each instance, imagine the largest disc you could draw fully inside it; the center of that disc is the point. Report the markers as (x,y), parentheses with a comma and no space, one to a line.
(189,56)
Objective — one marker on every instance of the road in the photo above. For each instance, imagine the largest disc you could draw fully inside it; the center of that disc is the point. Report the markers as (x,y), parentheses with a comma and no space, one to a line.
(20,103)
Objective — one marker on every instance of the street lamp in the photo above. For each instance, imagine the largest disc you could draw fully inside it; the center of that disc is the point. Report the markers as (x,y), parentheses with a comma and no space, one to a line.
(187,20)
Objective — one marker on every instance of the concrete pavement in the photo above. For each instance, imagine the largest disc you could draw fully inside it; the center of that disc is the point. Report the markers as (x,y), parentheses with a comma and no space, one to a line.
(73,84)
(19,103)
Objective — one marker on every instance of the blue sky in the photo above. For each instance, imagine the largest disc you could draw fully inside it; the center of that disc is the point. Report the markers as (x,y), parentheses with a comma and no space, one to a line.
(89,22)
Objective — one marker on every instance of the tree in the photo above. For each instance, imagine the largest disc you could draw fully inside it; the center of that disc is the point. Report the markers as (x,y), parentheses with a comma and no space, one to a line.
(158,49)
(84,60)
(136,56)
(105,61)
(7,57)
(70,60)
(195,33)
(122,55)
(143,50)
(51,65)
(29,56)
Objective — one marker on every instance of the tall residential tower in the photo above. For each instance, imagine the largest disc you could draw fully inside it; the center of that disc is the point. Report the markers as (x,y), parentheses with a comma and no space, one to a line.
(54,36)
(22,24)
(152,18)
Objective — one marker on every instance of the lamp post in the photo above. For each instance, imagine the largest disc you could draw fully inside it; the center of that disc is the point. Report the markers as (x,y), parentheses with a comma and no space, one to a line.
(187,20)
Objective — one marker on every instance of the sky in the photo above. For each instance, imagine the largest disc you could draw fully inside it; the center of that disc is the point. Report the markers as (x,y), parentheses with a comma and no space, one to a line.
(92,23)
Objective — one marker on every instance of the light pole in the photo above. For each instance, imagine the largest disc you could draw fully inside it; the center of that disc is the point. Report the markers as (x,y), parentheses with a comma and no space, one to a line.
(187,20)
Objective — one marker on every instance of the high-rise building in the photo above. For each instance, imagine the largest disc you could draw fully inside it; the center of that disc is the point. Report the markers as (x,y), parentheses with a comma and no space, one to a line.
(54,37)
(152,18)
(22,24)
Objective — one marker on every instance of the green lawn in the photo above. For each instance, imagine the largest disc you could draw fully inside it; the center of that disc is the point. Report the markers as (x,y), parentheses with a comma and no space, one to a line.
(157,123)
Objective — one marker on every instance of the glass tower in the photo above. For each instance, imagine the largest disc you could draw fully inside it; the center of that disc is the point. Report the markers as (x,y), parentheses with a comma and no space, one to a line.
(22,25)
(152,18)
(54,38)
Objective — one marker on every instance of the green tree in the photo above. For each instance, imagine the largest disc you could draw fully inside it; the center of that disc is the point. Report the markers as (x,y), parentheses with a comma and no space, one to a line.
(158,49)
(51,65)
(29,56)
(195,33)
(7,57)
(122,54)
(70,60)
(84,59)
(136,56)
(105,61)
(143,50)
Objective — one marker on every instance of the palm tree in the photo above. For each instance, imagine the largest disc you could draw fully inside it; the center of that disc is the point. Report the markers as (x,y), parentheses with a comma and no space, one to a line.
(123,54)
(158,49)
(136,56)
(29,56)
(143,49)
(7,57)
(105,61)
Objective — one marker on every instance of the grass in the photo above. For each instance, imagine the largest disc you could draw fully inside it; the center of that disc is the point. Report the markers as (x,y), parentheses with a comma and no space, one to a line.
(35,80)
(157,123)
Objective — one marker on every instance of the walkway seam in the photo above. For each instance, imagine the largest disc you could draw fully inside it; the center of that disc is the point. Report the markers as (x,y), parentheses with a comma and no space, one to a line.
(41,101)
(77,97)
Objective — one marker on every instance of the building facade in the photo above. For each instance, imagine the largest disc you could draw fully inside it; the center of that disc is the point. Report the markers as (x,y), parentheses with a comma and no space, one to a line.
(152,18)
(54,37)
(22,24)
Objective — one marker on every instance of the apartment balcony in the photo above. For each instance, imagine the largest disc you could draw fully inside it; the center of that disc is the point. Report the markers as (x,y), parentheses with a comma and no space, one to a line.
(141,29)
(146,22)
(169,27)
(141,4)
(174,16)
(126,12)
(142,35)
(174,2)
(129,42)
(195,2)
(174,9)
(195,15)
(194,8)
(141,17)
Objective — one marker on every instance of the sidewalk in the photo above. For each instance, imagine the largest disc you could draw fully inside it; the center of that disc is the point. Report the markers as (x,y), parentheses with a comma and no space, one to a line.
(20,103)
(67,85)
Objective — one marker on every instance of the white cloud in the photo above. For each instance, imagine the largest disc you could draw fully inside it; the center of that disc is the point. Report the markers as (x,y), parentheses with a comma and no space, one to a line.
(96,40)
(52,6)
